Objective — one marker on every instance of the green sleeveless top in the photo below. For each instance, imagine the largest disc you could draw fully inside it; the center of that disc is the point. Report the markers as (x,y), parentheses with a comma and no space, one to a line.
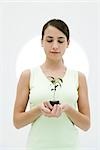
(53,133)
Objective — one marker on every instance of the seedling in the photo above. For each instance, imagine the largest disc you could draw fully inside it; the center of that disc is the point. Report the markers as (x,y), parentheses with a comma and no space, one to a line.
(56,83)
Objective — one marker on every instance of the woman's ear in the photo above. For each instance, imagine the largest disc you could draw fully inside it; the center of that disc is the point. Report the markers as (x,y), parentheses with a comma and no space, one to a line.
(41,42)
(68,42)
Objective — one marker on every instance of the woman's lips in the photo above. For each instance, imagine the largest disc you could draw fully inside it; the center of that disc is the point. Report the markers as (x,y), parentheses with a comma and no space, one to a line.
(54,52)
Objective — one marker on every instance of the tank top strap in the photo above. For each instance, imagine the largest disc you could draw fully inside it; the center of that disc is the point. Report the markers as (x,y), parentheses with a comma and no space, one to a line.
(73,77)
(33,73)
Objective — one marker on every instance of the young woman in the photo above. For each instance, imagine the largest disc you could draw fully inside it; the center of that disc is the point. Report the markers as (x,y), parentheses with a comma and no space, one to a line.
(53,126)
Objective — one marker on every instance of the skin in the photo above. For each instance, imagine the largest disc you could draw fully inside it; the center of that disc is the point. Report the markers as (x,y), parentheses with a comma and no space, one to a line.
(54,43)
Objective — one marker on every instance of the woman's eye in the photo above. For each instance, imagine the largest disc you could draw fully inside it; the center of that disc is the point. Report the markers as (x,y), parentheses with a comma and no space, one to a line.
(60,41)
(49,41)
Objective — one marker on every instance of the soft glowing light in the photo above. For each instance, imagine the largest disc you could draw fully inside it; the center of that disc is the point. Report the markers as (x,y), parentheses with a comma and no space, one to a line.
(32,55)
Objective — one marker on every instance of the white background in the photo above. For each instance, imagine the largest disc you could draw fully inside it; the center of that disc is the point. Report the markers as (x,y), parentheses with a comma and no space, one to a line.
(19,23)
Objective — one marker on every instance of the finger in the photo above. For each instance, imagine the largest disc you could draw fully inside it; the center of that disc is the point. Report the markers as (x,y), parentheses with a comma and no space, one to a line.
(50,106)
(47,114)
(44,108)
(54,109)
(45,104)
(58,111)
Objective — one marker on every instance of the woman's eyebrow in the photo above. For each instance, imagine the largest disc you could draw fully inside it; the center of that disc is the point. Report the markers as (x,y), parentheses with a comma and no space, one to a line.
(61,37)
(49,36)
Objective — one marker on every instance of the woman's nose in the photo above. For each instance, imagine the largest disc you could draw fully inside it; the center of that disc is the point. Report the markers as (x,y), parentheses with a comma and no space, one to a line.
(55,45)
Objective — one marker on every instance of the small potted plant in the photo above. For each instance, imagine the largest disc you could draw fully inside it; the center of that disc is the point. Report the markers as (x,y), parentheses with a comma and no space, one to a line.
(56,83)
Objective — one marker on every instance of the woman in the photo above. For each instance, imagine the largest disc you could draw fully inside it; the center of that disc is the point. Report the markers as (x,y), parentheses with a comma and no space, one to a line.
(53,126)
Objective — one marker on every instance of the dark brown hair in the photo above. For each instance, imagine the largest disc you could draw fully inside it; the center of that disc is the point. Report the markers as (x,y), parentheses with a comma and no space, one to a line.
(59,24)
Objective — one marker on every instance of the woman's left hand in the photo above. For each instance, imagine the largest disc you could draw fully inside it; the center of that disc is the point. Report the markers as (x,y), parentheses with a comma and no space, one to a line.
(56,111)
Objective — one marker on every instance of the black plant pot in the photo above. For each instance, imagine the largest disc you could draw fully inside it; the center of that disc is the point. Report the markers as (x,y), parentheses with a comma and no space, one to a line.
(54,102)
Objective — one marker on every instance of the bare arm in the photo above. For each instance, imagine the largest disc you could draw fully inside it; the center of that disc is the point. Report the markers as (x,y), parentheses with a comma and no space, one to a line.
(80,118)
(20,117)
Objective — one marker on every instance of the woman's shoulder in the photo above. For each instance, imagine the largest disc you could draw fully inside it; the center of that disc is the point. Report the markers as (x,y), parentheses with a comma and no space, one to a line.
(28,72)
(82,79)
(25,73)
(24,77)
(28,75)
(81,75)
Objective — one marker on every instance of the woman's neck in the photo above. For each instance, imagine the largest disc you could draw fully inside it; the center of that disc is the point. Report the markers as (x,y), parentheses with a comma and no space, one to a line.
(53,65)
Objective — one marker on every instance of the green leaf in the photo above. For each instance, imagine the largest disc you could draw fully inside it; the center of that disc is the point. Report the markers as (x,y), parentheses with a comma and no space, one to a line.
(52,89)
(52,77)
(60,80)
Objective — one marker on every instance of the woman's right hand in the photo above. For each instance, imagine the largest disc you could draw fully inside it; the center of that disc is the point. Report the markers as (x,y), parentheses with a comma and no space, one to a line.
(50,111)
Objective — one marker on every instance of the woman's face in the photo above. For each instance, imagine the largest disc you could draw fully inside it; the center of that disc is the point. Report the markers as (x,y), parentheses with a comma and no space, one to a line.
(54,43)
